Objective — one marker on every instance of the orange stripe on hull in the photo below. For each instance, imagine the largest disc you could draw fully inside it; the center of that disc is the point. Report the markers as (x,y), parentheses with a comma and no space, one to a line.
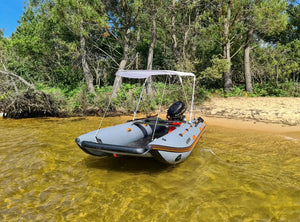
(178,150)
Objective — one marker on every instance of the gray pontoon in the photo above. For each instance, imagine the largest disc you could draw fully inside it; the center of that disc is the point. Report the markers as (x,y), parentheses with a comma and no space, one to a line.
(170,140)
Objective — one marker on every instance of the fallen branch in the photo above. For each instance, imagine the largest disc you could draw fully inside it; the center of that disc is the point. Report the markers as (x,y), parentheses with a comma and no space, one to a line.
(17,77)
(25,103)
(30,103)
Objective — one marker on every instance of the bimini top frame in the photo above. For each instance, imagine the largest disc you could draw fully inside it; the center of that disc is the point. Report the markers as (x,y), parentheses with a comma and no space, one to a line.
(145,74)
(142,74)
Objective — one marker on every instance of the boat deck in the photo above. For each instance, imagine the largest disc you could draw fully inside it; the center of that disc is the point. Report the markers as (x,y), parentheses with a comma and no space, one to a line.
(143,142)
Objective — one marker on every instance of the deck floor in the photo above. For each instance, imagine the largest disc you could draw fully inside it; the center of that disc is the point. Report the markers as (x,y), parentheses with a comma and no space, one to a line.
(143,142)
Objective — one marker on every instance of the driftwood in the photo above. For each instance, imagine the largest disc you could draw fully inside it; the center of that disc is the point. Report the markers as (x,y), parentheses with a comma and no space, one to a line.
(30,103)
(25,103)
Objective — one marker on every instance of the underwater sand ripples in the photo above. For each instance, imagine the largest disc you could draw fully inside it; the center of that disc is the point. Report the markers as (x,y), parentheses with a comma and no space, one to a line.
(231,175)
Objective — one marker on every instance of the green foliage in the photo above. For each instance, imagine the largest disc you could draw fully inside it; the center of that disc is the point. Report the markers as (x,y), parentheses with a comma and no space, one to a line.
(46,49)
(80,16)
(270,16)
(237,91)
(219,65)
(286,89)
(277,64)
(201,95)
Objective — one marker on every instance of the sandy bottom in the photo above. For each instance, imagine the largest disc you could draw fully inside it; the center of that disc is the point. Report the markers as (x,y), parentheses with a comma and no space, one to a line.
(231,175)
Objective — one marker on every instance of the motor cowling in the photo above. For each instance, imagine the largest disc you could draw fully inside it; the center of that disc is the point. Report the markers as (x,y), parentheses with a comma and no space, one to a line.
(176,111)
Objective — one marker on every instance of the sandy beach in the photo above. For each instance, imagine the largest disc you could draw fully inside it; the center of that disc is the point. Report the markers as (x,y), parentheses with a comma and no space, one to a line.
(273,114)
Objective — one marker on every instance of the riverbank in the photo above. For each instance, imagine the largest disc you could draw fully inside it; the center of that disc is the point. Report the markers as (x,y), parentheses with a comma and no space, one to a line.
(278,110)
(266,114)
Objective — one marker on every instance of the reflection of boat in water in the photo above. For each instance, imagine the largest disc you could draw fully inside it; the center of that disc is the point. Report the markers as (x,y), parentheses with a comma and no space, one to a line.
(170,141)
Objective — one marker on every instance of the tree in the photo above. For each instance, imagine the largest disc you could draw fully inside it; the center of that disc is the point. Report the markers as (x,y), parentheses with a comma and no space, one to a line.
(43,49)
(153,11)
(123,15)
(227,11)
(230,16)
(263,18)
(292,30)
(82,18)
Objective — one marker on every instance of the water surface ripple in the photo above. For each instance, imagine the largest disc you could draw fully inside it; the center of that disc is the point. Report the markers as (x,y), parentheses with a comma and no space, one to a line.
(232,175)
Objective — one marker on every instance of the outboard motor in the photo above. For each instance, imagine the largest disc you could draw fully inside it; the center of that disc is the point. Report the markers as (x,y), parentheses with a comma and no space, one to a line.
(176,111)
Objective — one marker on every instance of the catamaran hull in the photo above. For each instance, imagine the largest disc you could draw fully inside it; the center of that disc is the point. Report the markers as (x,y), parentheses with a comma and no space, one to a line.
(135,139)
(176,146)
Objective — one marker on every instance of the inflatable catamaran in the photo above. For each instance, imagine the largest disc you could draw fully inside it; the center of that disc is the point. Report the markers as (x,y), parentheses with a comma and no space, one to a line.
(169,140)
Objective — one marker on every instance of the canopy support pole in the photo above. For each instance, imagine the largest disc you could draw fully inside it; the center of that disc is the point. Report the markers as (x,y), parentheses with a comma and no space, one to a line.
(192,105)
(110,99)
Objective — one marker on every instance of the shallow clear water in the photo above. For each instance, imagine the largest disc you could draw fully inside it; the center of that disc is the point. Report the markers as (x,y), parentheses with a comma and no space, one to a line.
(232,175)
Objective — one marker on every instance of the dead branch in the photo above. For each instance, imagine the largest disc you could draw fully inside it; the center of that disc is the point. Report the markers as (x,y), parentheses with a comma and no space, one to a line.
(6,73)
(30,103)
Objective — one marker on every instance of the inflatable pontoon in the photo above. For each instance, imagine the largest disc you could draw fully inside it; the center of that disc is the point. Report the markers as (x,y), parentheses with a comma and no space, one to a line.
(169,140)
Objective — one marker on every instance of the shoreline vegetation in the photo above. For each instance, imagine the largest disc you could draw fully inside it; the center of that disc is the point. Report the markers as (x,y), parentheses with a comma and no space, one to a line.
(63,56)
(239,120)
(272,114)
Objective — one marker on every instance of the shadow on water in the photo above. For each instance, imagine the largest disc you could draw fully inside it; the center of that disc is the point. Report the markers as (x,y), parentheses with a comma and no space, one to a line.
(148,165)
(127,164)
(63,120)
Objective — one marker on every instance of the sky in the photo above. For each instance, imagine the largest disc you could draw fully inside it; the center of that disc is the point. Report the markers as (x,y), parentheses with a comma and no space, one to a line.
(10,12)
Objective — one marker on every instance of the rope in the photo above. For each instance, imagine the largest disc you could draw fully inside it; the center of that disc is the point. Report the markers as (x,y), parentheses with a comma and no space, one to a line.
(159,108)
(110,99)
(180,79)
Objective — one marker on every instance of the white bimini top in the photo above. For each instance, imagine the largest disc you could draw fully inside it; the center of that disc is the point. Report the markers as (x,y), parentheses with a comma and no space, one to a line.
(142,74)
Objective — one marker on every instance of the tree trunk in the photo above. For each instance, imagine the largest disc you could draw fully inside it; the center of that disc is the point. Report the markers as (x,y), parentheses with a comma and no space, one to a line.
(185,41)
(85,66)
(152,44)
(247,64)
(149,88)
(227,76)
(98,74)
(137,53)
(175,45)
(122,65)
